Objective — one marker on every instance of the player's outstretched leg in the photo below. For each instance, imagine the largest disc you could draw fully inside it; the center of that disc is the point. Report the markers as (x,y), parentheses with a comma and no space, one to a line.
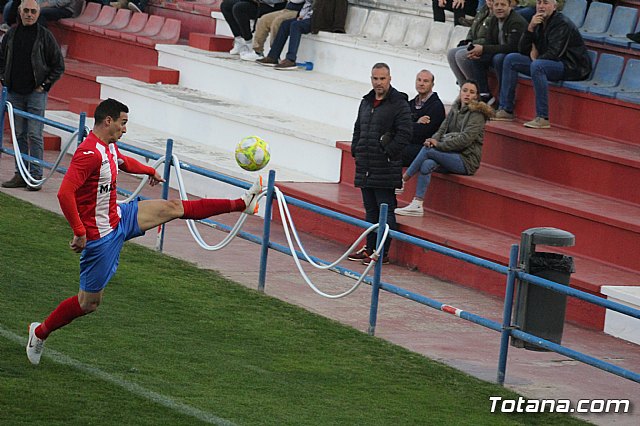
(35,345)
(250,197)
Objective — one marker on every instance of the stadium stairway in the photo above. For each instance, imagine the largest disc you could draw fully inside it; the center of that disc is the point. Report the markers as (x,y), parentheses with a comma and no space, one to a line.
(576,176)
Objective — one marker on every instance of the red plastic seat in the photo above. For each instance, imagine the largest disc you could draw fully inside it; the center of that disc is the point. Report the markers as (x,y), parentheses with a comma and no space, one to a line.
(169,34)
(135,25)
(119,22)
(89,14)
(152,27)
(104,18)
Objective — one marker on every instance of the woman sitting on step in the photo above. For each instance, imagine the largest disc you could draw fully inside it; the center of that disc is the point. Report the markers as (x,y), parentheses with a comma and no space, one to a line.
(455,148)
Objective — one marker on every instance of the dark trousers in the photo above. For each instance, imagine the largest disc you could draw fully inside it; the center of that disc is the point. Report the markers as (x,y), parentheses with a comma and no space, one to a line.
(238,13)
(470,7)
(291,29)
(372,198)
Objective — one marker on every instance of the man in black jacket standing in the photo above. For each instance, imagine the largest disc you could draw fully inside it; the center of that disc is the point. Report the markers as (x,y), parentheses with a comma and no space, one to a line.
(382,130)
(30,62)
(551,49)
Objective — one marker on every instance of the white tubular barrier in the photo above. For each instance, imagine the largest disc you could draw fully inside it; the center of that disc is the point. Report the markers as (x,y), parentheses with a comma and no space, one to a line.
(23,169)
(288,226)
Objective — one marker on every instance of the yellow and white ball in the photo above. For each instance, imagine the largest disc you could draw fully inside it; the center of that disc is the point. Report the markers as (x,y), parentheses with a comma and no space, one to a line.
(252,153)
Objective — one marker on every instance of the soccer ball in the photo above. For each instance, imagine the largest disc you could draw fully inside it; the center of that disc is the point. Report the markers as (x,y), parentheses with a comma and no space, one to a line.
(252,153)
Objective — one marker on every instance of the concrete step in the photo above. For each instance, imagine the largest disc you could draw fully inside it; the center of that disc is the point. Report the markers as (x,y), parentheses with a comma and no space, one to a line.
(606,229)
(79,79)
(457,234)
(577,160)
(303,145)
(308,95)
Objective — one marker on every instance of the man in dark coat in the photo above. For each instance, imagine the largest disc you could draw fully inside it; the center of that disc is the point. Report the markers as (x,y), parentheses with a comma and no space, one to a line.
(427,113)
(382,130)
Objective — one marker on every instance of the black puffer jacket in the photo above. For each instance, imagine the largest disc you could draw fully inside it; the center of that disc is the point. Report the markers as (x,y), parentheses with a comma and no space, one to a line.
(559,40)
(379,162)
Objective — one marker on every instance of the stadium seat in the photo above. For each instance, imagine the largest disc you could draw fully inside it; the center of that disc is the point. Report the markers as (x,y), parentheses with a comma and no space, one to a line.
(104,18)
(419,32)
(607,73)
(576,10)
(623,22)
(439,35)
(119,22)
(152,27)
(356,18)
(376,23)
(630,82)
(395,29)
(135,25)
(89,14)
(629,97)
(168,34)
(622,40)
(635,46)
(597,19)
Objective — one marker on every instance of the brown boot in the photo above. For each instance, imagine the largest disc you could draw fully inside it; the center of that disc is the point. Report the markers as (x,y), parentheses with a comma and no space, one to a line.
(15,182)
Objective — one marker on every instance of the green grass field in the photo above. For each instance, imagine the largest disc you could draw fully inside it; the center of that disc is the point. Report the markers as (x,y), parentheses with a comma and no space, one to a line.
(172,344)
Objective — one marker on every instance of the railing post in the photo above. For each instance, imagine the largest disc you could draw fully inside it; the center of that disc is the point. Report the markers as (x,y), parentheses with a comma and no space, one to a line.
(506,313)
(3,108)
(82,122)
(377,272)
(168,159)
(266,233)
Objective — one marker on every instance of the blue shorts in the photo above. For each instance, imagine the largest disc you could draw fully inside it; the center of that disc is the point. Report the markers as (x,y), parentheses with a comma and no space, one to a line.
(99,259)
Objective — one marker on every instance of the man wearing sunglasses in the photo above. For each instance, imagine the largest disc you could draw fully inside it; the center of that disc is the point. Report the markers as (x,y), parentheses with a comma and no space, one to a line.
(30,62)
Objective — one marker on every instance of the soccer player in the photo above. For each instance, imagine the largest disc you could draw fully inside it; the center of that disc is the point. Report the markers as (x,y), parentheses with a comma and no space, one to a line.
(100,226)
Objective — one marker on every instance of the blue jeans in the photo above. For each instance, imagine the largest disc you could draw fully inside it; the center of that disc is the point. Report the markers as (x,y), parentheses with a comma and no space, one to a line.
(526,12)
(480,66)
(29,132)
(541,72)
(430,160)
(293,30)
(372,198)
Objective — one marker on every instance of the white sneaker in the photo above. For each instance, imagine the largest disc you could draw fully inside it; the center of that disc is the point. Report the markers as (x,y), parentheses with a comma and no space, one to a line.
(34,345)
(238,44)
(250,197)
(413,209)
(250,56)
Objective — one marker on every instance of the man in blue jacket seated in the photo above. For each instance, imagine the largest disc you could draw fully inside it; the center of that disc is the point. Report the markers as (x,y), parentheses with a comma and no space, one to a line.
(551,49)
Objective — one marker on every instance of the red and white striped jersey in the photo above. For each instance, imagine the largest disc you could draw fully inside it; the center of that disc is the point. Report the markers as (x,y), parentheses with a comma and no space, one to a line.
(93,174)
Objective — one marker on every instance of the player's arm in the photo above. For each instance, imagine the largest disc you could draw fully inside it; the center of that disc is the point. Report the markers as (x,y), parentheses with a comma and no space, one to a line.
(79,170)
(131,165)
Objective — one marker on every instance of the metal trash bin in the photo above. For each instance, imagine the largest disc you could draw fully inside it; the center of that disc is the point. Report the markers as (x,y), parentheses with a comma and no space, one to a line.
(540,311)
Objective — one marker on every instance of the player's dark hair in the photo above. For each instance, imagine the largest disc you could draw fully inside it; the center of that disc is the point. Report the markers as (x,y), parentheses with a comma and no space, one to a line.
(109,108)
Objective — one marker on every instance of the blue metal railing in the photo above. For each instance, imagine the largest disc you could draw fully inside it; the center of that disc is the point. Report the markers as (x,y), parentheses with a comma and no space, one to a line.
(512,271)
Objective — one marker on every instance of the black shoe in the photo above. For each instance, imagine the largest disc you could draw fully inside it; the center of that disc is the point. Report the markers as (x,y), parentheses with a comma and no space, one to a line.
(465,22)
(360,255)
(488,99)
(385,260)
(634,36)
(34,188)
(15,182)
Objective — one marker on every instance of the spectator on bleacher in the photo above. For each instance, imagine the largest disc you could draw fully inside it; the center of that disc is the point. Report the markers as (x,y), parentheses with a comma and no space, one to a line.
(458,57)
(455,148)
(135,6)
(30,62)
(239,13)
(551,49)
(427,113)
(503,35)
(53,10)
(635,37)
(9,14)
(268,25)
(460,8)
(381,131)
(291,29)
